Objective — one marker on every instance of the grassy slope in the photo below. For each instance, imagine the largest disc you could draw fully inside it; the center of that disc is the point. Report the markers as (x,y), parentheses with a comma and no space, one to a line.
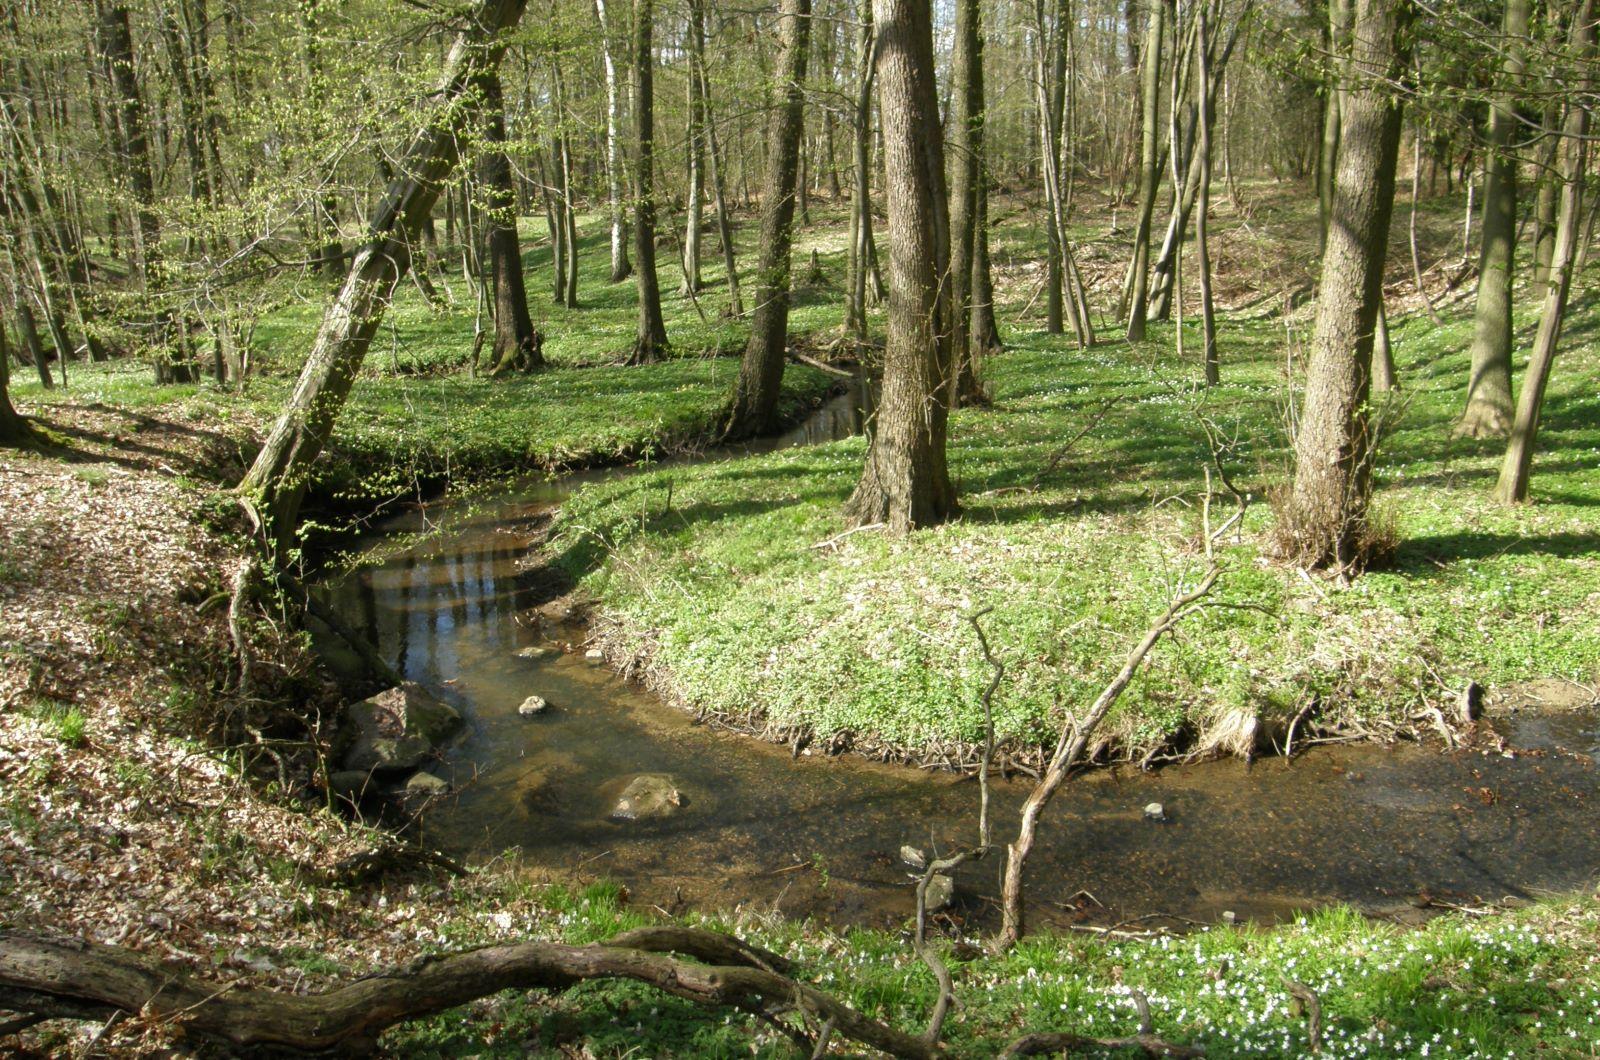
(742,614)
(416,414)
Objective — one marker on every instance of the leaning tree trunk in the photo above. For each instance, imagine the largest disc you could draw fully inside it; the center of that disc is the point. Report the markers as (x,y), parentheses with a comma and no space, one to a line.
(1327,509)
(905,483)
(651,343)
(966,125)
(1149,170)
(273,488)
(1517,468)
(620,266)
(1488,411)
(515,348)
(755,395)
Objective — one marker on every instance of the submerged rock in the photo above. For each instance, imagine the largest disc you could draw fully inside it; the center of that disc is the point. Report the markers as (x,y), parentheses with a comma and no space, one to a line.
(594,655)
(533,705)
(397,729)
(427,784)
(1155,812)
(534,651)
(913,857)
(647,797)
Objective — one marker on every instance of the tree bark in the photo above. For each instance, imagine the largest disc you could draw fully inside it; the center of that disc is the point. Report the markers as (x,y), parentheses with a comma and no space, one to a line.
(1517,467)
(515,348)
(88,980)
(966,146)
(620,266)
(273,488)
(1327,510)
(693,217)
(1202,165)
(755,395)
(14,428)
(861,192)
(650,345)
(1488,410)
(1333,96)
(905,483)
(1149,168)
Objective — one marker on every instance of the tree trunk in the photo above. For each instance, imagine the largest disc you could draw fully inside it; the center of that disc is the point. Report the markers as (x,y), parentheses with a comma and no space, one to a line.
(1327,510)
(730,262)
(693,218)
(276,482)
(755,396)
(28,332)
(1202,165)
(1517,468)
(13,428)
(620,266)
(515,347)
(905,483)
(861,192)
(966,142)
(651,343)
(1333,96)
(567,295)
(115,39)
(1149,168)
(1488,411)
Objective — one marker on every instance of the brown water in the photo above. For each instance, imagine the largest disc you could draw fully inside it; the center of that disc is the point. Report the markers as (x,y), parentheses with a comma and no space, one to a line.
(1380,828)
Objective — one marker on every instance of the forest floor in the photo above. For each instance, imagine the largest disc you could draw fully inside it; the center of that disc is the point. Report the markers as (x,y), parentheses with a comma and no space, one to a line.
(135,806)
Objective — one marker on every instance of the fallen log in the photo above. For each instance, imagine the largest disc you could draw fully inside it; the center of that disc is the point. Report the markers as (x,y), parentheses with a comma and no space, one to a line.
(56,978)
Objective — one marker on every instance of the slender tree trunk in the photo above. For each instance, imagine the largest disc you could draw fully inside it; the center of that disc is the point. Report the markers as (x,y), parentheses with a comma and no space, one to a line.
(1517,468)
(28,331)
(905,483)
(1545,203)
(697,161)
(567,294)
(730,262)
(1327,509)
(966,144)
(620,266)
(651,343)
(1208,310)
(515,347)
(276,482)
(1488,410)
(1149,169)
(984,330)
(861,192)
(1050,74)
(755,396)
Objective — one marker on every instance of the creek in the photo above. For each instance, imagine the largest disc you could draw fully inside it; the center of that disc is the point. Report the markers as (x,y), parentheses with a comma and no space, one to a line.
(1390,830)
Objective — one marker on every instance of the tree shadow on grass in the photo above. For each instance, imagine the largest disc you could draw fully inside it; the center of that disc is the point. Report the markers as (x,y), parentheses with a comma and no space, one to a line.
(1431,554)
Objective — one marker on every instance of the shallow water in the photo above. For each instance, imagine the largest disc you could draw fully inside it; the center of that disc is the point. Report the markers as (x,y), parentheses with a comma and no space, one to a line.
(1384,829)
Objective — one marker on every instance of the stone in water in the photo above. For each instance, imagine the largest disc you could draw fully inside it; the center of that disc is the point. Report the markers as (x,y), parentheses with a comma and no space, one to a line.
(533,705)
(1155,812)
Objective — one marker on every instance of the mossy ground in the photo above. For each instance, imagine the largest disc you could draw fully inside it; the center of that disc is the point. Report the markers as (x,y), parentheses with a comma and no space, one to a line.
(747,604)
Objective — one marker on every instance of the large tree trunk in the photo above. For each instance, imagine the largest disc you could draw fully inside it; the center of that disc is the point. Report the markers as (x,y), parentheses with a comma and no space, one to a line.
(755,396)
(1488,411)
(1332,101)
(905,483)
(651,343)
(515,348)
(620,266)
(1327,510)
(1517,468)
(1149,169)
(276,482)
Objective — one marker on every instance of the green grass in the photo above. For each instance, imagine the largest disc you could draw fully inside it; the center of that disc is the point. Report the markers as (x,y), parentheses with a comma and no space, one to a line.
(1512,984)
(741,613)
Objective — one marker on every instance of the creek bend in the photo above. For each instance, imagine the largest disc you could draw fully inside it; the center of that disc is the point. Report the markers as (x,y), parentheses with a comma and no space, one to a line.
(1383,829)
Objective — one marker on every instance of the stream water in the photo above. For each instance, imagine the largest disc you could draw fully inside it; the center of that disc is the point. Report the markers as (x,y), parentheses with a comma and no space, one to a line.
(1385,829)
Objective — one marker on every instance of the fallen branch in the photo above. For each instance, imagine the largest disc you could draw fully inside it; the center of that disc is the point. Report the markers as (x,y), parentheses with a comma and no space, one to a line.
(84,980)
